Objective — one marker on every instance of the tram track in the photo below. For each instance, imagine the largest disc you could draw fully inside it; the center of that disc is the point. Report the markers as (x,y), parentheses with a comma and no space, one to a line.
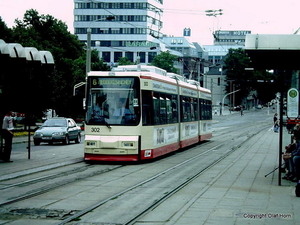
(168,193)
(46,183)
(240,134)
(51,176)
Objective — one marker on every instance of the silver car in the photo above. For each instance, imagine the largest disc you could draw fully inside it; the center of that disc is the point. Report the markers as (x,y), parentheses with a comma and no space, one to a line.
(58,129)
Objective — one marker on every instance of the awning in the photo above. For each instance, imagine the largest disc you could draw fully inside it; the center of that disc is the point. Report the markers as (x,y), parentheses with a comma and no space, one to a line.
(273,51)
(15,50)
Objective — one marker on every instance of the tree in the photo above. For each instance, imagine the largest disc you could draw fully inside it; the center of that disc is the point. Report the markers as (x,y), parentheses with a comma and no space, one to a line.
(165,60)
(235,63)
(44,32)
(262,82)
(5,32)
(124,61)
(98,64)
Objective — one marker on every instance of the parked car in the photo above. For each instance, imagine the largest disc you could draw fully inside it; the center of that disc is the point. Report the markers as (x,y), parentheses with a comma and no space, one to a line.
(58,129)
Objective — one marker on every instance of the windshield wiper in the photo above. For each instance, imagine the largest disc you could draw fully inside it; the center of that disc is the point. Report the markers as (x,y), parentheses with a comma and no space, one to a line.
(108,126)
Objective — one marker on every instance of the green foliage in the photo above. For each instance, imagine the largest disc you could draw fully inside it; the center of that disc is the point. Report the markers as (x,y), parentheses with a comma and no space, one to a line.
(97,64)
(5,32)
(124,61)
(53,89)
(235,63)
(266,84)
(165,60)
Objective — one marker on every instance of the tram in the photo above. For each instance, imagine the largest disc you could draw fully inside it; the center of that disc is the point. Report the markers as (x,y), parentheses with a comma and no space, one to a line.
(135,113)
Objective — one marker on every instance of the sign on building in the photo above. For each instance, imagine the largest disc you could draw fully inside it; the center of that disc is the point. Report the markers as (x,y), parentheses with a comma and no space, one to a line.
(187,32)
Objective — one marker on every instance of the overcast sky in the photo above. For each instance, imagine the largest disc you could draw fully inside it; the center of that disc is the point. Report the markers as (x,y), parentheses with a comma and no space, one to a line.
(258,16)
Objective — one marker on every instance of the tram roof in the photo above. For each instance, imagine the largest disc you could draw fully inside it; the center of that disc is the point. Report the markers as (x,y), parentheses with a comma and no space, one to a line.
(152,69)
(138,68)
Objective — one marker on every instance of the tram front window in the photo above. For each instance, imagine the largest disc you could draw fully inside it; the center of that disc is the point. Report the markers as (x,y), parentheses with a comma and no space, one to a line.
(113,101)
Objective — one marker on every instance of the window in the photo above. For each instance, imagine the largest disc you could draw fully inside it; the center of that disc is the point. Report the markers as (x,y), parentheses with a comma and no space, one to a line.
(117,56)
(205,109)
(142,57)
(151,56)
(129,56)
(159,108)
(110,103)
(106,56)
(189,109)
(147,117)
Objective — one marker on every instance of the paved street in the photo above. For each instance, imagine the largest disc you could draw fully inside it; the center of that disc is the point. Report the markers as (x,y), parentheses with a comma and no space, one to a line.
(239,194)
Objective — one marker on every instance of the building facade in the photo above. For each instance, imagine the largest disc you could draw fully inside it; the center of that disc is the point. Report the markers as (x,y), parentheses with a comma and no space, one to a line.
(133,32)
(189,60)
(230,37)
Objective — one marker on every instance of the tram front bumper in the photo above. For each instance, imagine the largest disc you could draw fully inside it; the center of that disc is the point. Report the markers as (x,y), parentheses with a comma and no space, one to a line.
(111,145)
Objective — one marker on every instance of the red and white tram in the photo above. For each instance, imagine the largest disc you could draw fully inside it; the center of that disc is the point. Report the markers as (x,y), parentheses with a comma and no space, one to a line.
(141,112)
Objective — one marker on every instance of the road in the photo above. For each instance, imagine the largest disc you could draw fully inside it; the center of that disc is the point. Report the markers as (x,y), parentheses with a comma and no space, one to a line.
(89,192)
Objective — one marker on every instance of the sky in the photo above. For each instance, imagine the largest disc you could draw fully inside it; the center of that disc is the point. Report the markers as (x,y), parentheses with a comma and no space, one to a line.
(258,16)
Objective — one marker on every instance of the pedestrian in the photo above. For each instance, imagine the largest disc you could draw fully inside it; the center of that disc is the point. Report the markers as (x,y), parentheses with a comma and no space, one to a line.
(216,111)
(242,112)
(7,135)
(296,134)
(276,126)
(275,119)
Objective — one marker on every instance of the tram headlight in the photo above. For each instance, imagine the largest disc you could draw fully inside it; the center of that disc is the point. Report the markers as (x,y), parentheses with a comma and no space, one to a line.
(128,144)
(91,143)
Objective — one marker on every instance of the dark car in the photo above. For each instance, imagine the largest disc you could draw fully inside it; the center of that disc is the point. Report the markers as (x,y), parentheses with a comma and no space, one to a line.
(58,129)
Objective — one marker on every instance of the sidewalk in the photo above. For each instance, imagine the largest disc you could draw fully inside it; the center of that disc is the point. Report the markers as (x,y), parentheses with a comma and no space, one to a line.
(240,193)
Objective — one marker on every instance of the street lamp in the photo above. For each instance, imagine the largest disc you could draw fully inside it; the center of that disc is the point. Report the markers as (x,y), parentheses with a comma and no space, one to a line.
(88,48)
(222,106)
(88,51)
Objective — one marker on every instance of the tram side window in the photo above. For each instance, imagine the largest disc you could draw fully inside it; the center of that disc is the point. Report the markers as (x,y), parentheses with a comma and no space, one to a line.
(156,109)
(209,110)
(187,109)
(159,108)
(169,108)
(201,113)
(147,108)
(205,110)
(174,109)
(196,108)
(165,110)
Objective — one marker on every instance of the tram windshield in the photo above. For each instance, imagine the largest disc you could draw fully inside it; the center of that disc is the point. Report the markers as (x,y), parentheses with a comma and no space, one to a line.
(113,101)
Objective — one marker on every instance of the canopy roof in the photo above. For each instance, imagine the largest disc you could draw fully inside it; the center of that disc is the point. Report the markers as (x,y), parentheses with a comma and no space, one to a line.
(15,50)
(273,51)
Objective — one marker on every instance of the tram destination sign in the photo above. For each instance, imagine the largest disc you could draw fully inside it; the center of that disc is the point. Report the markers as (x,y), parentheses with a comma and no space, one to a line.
(111,82)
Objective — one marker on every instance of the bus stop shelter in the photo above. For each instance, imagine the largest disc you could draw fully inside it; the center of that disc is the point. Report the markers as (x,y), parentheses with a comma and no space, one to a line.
(18,65)
(274,52)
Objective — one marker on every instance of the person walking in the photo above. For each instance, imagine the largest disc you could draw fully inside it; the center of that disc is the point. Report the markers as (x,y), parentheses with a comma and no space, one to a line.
(7,135)
(275,118)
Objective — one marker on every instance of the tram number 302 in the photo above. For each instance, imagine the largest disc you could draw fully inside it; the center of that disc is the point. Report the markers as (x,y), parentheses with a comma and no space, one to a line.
(95,129)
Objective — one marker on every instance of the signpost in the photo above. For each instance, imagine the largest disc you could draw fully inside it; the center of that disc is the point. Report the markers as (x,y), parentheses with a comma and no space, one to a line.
(292,103)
